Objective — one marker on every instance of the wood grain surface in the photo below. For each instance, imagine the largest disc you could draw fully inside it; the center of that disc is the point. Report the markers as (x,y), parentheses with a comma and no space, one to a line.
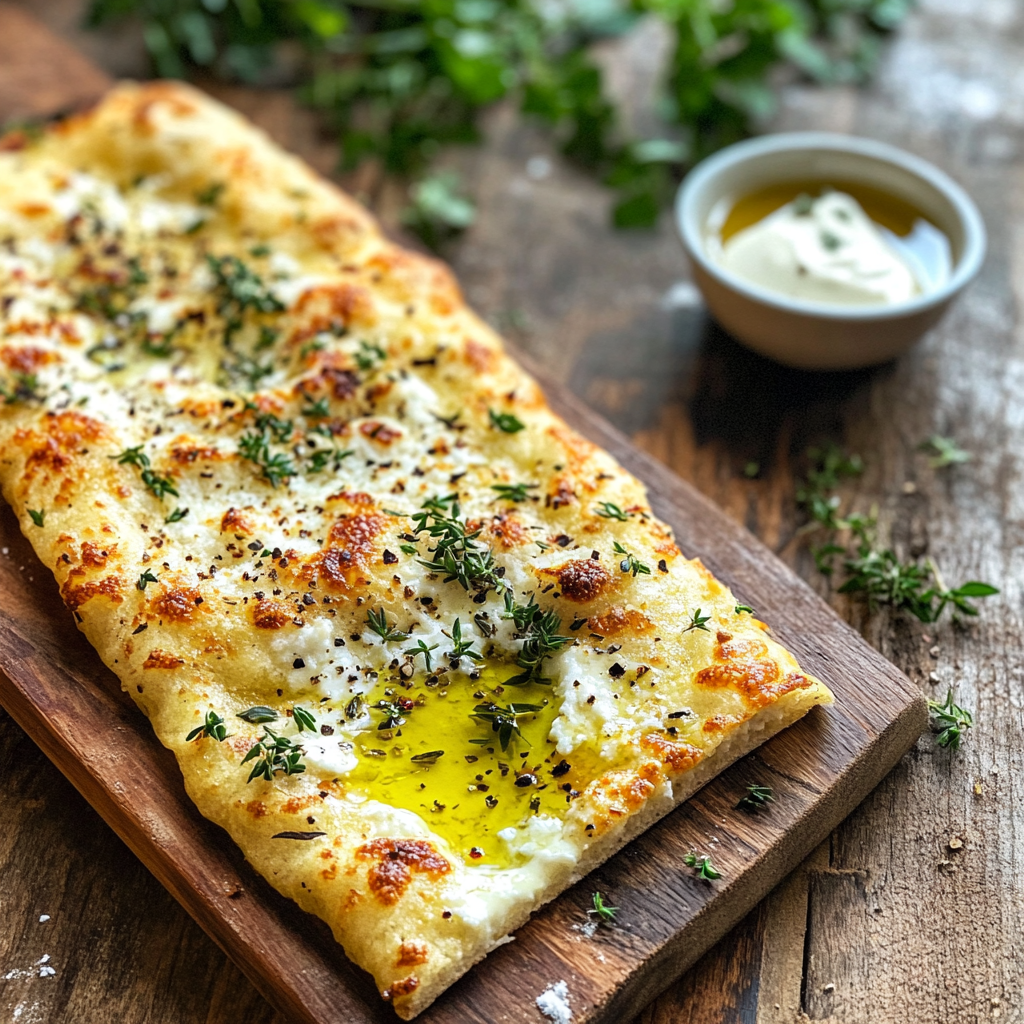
(57,689)
(886,921)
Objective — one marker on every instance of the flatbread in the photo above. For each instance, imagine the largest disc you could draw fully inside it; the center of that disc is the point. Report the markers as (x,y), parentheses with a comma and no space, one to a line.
(280,471)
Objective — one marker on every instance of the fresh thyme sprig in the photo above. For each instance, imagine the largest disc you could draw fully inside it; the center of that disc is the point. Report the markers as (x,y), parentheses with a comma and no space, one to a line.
(503,720)
(539,632)
(631,564)
(512,492)
(876,573)
(425,649)
(757,798)
(177,515)
(161,486)
(703,866)
(37,515)
(605,914)
(456,551)
(213,726)
(698,621)
(461,648)
(944,451)
(274,753)
(240,288)
(950,721)
(378,622)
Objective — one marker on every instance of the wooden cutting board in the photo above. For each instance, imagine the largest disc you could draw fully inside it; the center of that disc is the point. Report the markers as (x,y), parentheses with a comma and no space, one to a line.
(62,695)
(72,706)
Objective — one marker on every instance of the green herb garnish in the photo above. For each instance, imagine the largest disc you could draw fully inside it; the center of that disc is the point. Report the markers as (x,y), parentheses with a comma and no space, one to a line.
(605,914)
(631,564)
(240,288)
(378,622)
(146,578)
(456,552)
(161,486)
(609,510)
(369,355)
(25,388)
(273,754)
(209,196)
(945,452)
(303,719)
(506,422)
(539,632)
(213,727)
(950,721)
(704,868)
(258,715)
(424,649)
(177,515)
(698,621)
(503,720)
(394,712)
(37,515)
(462,648)
(513,492)
(757,798)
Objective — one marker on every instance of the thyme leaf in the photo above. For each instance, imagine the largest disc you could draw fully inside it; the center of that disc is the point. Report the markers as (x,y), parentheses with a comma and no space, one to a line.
(506,422)
(605,914)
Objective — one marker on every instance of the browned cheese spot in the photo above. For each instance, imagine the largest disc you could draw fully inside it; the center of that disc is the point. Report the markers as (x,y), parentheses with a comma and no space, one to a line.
(25,358)
(177,604)
(236,521)
(186,453)
(76,594)
(379,432)
(270,614)
(620,620)
(351,547)
(400,988)
(411,953)
(162,659)
(582,580)
(508,530)
(95,556)
(676,756)
(395,861)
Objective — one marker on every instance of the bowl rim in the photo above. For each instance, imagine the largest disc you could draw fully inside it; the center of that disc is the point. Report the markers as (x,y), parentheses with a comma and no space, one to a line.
(698,179)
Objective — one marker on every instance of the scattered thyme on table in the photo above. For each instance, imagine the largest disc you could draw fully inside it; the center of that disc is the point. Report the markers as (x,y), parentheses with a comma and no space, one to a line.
(875,573)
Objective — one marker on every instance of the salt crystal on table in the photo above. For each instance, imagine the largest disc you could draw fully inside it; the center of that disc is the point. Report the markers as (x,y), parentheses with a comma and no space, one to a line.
(553,1002)
(43,918)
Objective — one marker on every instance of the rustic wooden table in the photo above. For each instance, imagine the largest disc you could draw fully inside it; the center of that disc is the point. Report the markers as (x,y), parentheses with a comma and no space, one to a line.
(913,911)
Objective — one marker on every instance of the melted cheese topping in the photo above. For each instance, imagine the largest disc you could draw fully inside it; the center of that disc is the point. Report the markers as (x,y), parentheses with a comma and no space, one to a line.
(247,432)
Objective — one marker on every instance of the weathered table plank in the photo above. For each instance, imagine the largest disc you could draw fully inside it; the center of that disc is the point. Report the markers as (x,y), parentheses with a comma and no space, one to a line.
(903,926)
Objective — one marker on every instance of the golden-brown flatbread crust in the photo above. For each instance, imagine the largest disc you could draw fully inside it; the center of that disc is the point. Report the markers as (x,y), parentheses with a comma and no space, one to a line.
(227,398)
